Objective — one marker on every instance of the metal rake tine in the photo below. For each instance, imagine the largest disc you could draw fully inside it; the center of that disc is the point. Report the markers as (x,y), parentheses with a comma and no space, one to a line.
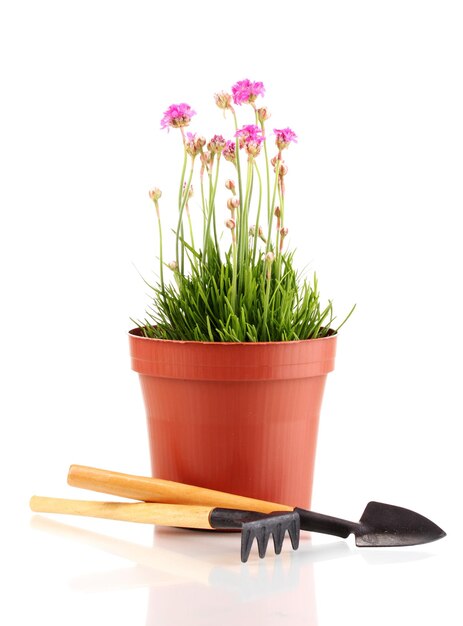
(294,530)
(247,537)
(278,537)
(262,536)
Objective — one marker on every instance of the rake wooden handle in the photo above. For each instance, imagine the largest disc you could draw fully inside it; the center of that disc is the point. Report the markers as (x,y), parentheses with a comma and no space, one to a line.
(142,512)
(166,491)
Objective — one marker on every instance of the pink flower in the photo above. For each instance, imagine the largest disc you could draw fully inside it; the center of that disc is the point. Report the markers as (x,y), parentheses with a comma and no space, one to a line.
(177,115)
(246,91)
(251,138)
(284,137)
(250,132)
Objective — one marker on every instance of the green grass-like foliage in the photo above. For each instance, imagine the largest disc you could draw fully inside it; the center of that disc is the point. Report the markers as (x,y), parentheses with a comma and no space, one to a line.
(250,291)
(198,307)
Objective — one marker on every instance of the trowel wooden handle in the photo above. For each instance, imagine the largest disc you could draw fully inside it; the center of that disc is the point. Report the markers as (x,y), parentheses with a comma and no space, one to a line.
(142,512)
(158,490)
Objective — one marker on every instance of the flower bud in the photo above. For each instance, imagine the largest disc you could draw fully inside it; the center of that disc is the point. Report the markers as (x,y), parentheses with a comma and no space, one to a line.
(193,144)
(283,170)
(155,194)
(277,211)
(253,148)
(260,232)
(229,151)
(173,265)
(223,100)
(230,224)
(233,203)
(230,185)
(263,114)
(270,257)
(216,144)
(283,233)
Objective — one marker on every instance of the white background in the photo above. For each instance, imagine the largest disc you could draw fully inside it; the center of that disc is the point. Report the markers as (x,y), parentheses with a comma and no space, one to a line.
(374,91)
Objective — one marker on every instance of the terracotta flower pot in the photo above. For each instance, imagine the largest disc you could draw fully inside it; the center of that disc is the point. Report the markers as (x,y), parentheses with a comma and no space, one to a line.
(237,417)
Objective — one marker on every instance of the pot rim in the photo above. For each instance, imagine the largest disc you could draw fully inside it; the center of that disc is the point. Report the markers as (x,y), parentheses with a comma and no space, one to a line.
(136,332)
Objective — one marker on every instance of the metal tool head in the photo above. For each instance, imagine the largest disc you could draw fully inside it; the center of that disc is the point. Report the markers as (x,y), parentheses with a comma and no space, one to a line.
(275,524)
(388,525)
(259,526)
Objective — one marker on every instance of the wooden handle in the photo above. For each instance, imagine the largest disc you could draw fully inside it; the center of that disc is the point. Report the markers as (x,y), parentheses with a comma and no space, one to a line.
(158,490)
(142,512)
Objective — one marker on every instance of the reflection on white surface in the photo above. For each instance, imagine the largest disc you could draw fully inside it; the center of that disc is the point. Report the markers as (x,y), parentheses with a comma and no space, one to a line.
(197,577)
(262,591)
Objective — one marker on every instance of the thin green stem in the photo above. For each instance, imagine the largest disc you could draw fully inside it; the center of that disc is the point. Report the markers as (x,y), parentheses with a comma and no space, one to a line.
(247,199)
(267,170)
(180,192)
(179,230)
(234,275)
(272,206)
(204,207)
(241,246)
(243,225)
(281,195)
(190,226)
(211,213)
(161,262)
(268,264)
(256,233)
(213,205)
(255,112)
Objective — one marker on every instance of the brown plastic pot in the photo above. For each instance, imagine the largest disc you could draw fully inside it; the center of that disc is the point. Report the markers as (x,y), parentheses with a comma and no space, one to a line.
(237,417)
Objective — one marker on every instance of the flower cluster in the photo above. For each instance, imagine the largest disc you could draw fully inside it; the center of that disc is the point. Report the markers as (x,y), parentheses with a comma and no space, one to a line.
(284,137)
(246,91)
(251,138)
(177,116)
(250,291)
